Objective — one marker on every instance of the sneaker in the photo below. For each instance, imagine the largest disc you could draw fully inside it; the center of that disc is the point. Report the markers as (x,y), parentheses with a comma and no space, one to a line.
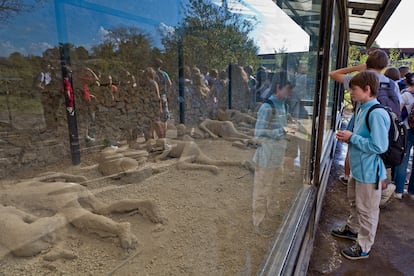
(343,179)
(387,193)
(354,252)
(398,195)
(345,233)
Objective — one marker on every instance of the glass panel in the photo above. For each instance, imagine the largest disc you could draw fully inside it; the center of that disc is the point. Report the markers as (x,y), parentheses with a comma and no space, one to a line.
(362,38)
(329,112)
(134,138)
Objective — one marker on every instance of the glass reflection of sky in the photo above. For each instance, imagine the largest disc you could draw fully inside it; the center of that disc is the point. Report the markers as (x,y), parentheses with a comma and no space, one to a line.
(274,29)
(87,23)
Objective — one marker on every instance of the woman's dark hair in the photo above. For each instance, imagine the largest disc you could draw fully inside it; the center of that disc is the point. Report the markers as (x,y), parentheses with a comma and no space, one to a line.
(279,79)
(403,70)
(409,78)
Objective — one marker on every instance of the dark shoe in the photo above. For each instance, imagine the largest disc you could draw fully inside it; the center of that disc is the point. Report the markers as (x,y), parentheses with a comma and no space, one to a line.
(343,180)
(345,233)
(354,253)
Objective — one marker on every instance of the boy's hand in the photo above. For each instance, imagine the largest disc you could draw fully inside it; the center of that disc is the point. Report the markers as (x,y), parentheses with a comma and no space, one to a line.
(343,135)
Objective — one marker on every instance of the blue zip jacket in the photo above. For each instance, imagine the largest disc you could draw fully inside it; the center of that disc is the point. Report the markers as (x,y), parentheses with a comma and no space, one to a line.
(365,146)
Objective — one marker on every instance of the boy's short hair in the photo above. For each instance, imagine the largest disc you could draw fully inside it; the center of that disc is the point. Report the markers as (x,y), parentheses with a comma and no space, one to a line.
(377,59)
(365,78)
(392,73)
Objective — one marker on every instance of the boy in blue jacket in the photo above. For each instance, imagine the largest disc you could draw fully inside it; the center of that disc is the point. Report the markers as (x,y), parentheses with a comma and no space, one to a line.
(367,167)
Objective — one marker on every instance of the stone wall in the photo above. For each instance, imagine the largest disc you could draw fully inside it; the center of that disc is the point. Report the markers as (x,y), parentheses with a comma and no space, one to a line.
(118,112)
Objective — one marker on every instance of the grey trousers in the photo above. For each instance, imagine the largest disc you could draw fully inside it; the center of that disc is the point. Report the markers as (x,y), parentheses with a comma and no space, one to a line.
(364,202)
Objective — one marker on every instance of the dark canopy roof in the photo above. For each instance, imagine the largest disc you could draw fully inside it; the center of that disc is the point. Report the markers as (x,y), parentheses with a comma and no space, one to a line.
(366,18)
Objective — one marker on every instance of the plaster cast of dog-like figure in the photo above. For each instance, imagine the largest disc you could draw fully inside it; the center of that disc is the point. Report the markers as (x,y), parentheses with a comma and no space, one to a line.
(190,156)
(236,117)
(36,208)
(223,129)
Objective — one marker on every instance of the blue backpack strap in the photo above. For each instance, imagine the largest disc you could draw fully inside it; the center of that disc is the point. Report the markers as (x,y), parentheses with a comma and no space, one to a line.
(272,105)
(369,129)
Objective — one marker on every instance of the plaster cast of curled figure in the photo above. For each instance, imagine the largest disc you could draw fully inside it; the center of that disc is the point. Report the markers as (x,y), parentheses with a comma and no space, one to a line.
(190,156)
(34,209)
(223,129)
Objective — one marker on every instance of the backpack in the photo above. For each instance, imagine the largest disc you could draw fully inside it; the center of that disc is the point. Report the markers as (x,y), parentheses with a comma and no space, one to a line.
(387,97)
(272,105)
(397,138)
(269,102)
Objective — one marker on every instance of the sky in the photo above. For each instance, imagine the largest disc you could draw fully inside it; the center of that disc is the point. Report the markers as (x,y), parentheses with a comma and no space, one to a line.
(272,37)
(88,21)
(397,32)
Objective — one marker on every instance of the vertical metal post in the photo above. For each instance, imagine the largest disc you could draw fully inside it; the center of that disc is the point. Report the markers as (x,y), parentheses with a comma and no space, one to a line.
(71,118)
(8,104)
(230,86)
(181,84)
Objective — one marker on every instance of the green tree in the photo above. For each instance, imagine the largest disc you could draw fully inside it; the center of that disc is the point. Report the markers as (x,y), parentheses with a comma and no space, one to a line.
(394,56)
(127,47)
(212,35)
(10,8)
(355,56)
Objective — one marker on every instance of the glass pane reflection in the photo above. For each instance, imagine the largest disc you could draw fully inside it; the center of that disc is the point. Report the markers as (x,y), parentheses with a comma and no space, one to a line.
(163,103)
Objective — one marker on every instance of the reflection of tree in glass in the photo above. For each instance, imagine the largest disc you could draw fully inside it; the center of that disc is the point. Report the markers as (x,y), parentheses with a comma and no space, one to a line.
(126,44)
(212,35)
(10,8)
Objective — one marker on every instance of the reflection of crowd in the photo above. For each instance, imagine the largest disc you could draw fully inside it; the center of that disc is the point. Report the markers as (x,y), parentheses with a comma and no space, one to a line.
(46,81)
(150,98)
(143,99)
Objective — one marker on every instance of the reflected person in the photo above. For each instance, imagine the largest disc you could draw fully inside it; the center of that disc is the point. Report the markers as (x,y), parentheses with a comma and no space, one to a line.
(270,131)
(50,97)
